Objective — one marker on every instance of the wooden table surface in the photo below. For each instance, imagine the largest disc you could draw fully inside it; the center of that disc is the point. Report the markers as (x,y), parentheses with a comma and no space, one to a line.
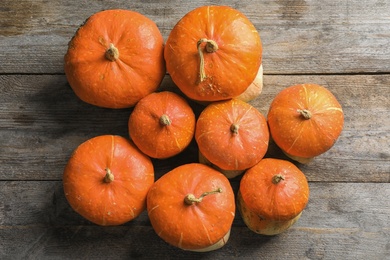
(342,45)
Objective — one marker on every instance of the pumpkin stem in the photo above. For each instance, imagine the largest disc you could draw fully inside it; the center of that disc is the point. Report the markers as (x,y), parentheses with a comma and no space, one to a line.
(109,177)
(112,53)
(211,46)
(277,178)
(306,114)
(191,199)
(234,128)
(164,120)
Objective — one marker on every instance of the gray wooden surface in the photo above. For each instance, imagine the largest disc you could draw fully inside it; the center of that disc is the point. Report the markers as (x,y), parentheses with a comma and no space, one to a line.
(343,45)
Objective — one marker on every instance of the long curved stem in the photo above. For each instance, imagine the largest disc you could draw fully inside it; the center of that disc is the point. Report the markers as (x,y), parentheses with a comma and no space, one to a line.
(191,199)
(211,46)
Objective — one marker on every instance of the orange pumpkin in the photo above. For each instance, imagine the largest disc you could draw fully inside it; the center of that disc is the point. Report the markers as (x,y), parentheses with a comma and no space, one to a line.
(162,124)
(232,135)
(115,58)
(192,207)
(255,88)
(106,180)
(272,196)
(305,121)
(213,53)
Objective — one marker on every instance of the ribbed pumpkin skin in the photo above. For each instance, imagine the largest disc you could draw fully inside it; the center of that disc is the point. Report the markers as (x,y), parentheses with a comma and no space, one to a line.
(281,201)
(137,71)
(226,149)
(108,203)
(300,137)
(156,137)
(197,226)
(260,225)
(230,69)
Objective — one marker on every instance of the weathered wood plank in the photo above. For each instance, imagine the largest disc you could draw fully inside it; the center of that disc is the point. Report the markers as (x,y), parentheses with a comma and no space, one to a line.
(341,221)
(363,206)
(42,121)
(138,242)
(298,36)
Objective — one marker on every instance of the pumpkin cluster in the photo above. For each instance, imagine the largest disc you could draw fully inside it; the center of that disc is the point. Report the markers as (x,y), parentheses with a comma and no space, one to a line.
(117,59)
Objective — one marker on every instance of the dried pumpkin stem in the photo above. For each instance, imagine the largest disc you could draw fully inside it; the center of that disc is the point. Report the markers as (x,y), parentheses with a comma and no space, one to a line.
(109,177)
(191,199)
(164,120)
(277,178)
(112,53)
(306,114)
(234,128)
(211,46)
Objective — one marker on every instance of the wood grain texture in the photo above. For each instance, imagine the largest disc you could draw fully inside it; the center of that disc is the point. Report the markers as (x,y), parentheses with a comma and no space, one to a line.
(340,220)
(299,37)
(364,206)
(137,242)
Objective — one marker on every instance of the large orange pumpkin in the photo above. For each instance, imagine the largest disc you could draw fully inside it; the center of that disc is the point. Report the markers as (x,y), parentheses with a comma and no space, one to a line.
(213,53)
(106,180)
(115,58)
(192,207)
(255,88)
(162,124)
(272,196)
(232,135)
(305,121)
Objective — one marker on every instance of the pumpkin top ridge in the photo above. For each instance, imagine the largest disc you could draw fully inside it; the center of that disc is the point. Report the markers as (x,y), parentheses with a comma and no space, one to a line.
(112,153)
(127,61)
(318,104)
(297,138)
(220,20)
(304,133)
(320,123)
(244,115)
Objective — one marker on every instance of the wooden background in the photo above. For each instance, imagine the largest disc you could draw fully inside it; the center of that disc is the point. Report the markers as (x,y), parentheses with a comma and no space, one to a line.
(342,45)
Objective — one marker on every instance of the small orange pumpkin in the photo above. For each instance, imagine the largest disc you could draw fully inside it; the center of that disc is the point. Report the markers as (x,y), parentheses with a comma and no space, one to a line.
(106,180)
(232,135)
(305,121)
(272,196)
(213,53)
(115,58)
(162,124)
(192,207)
